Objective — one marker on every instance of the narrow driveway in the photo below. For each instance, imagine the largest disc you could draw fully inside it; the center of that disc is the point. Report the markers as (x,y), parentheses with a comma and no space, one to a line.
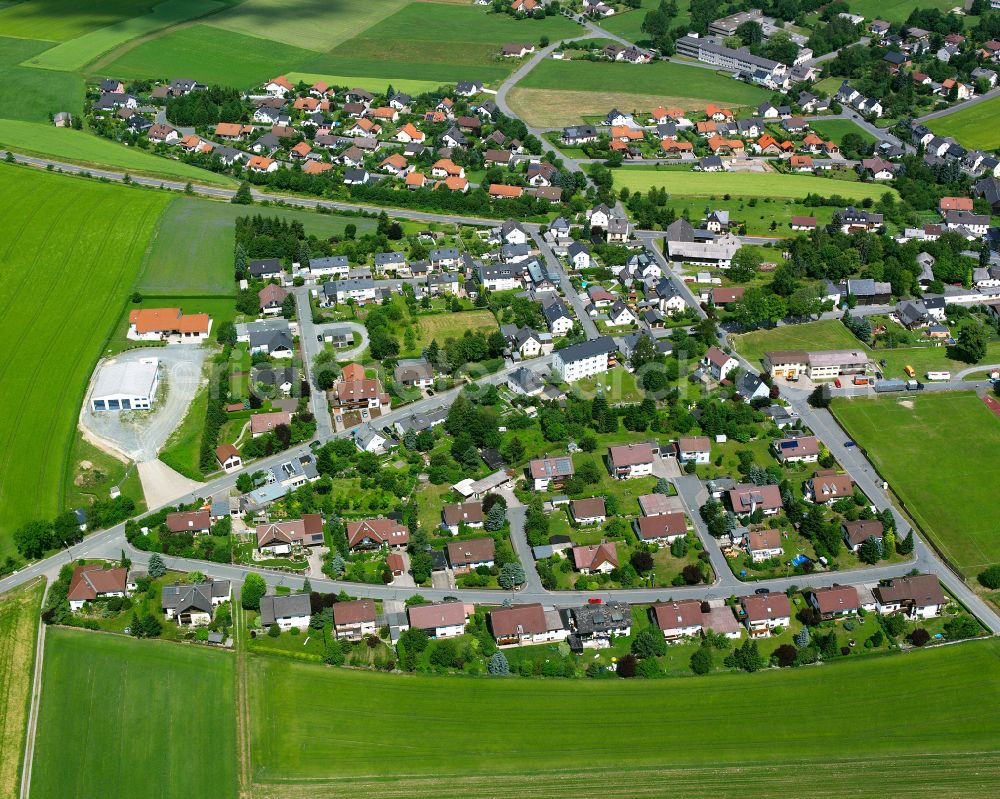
(310,348)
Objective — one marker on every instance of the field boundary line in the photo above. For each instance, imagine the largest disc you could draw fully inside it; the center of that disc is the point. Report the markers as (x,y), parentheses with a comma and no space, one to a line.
(28,755)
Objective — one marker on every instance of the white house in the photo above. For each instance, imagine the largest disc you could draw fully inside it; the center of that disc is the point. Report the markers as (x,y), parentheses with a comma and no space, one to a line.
(440,620)
(586,359)
(695,448)
(719,362)
(628,461)
(578,255)
(763,545)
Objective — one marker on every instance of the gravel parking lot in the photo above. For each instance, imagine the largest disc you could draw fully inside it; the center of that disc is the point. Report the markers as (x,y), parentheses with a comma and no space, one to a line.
(140,434)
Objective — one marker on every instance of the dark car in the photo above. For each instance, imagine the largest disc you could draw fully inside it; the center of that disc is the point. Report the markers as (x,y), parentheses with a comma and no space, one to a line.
(849,444)
(763,591)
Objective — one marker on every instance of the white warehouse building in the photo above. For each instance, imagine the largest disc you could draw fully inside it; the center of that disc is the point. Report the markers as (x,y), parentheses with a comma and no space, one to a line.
(128,386)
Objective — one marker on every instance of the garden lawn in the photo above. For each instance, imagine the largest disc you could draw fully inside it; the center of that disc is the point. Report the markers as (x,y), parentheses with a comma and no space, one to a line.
(836,129)
(629,25)
(213,54)
(62,20)
(19,611)
(442,327)
(49,92)
(77,53)
(134,714)
(974,127)
(937,451)
(820,738)
(745,184)
(71,251)
(75,146)
(828,334)
(757,217)
(192,250)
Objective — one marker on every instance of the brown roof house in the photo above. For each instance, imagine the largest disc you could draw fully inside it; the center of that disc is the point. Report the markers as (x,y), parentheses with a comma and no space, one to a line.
(601,558)
(631,460)
(746,498)
(526,624)
(93,581)
(548,472)
(354,620)
(469,555)
(681,619)
(196,521)
(588,511)
(280,538)
(228,457)
(804,449)
(764,544)
(658,504)
(764,612)
(662,529)
(835,600)
(919,596)
(376,533)
(856,533)
(827,486)
(261,423)
(440,620)
(468,513)
(271,298)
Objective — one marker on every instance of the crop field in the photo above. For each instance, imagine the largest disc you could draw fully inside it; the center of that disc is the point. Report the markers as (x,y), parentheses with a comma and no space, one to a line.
(75,146)
(63,287)
(77,53)
(936,451)
(437,42)
(49,91)
(549,737)
(828,334)
(19,611)
(62,20)
(312,24)
(629,24)
(192,248)
(448,325)
(662,78)
(744,184)
(134,714)
(215,55)
(975,126)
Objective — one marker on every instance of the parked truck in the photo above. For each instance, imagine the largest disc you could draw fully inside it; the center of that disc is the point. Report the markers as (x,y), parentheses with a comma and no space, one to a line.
(886,386)
(939,375)
(914,385)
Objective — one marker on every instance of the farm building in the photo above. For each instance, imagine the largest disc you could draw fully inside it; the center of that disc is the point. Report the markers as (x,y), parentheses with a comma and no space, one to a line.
(125,386)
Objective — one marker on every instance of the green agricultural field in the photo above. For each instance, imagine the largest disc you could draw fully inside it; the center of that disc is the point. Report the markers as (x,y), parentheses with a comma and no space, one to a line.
(192,249)
(62,20)
(49,92)
(315,25)
(629,24)
(836,129)
(134,714)
(437,42)
(18,633)
(896,10)
(77,53)
(744,184)
(829,334)
(213,54)
(908,737)
(975,126)
(660,78)
(929,447)
(79,147)
(757,217)
(71,253)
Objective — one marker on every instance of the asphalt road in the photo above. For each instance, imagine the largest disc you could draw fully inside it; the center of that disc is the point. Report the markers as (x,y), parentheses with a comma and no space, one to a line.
(311,348)
(979,98)
(571,295)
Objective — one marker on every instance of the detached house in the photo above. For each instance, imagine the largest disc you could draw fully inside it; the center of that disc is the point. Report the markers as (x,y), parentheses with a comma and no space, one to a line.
(662,529)
(439,620)
(763,545)
(354,620)
(719,363)
(631,460)
(468,513)
(746,499)
(588,511)
(835,601)
(827,486)
(596,558)
(681,619)
(94,581)
(376,534)
(280,538)
(856,533)
(193,605)
(918,596)
(467,556)
(694,448)
(526,624)
(287,611)
(803,449)
(763,612)
(546,472)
